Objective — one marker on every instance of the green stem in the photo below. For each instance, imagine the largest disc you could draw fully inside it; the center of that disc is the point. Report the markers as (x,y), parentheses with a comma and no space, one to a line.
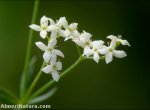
(42,89)
(33,83)
(78,50)
(28,53)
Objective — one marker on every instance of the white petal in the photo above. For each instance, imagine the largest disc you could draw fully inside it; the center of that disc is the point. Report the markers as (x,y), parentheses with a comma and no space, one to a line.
(103,51)
(67,33)
(73,26)
(75,33)
(85,38)
(43,34)
(96,57)
(53,34)
(47,56)
(58,52)
(78,42)
(87,51)
(113,43)
(53,59)
(119,53)
(51,21)
(55,75)
(35,27)
(98,43)
(52,43)
(44,21)
(52,28)
(42,46)
(47,69)
(86,35)
(67,38)
(61,33)
(62,22)
(124,42)
(59,65)
(111,37)
(108,57)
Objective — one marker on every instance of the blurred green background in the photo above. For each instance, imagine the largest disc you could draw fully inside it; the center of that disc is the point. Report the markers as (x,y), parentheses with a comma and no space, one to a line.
(122,84)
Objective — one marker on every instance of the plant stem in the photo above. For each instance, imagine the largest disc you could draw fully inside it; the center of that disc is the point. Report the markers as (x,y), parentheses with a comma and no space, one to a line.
(42,89)
(28,53)
(34,83)
(78,50)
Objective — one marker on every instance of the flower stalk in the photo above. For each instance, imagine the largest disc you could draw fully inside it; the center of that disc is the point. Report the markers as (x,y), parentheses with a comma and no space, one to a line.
(50,83)
(29,45)
(34,82)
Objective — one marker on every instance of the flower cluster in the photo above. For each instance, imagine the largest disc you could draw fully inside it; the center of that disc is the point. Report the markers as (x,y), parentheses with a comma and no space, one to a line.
(94,49)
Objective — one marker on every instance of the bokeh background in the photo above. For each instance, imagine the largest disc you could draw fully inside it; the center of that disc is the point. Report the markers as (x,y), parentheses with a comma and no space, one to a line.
(122,84)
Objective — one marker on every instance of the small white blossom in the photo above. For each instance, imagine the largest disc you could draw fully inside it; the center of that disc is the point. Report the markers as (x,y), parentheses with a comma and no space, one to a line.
(70,31)
(83,40)
(53,68)
(62,22)
(111,51)
(43,28)
(119,39)
(55,28)
(49,51)
(94,50)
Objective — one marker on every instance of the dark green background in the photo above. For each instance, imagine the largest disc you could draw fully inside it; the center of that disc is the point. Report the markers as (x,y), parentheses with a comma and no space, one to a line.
(122,84)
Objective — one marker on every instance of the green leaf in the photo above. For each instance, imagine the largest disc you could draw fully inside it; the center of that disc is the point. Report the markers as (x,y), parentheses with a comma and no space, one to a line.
(7,97)
(43,97)
(22,83)
(31,68)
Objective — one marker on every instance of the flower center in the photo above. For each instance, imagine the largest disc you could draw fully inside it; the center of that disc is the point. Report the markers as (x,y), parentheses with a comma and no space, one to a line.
(54,67)
(70,29)
(111,50)
(87,43)
(95,49)
(43,27)
(49,49)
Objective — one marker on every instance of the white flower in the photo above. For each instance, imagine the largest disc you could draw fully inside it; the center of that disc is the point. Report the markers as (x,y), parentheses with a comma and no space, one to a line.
(55,28)
(119,39)
(62,22)
(43,28)
(53,69)
(49,52)
(83,40)
(111,51)
(94,50)
(70,31)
